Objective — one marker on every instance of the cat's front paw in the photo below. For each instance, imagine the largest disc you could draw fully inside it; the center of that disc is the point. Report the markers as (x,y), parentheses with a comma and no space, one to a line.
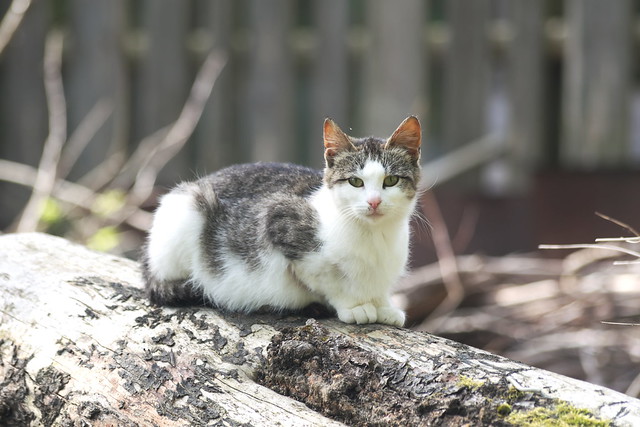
(365,313)
(390,316)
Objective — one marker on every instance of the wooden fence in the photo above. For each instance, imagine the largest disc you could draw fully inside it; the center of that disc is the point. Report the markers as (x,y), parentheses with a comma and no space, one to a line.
(554,80)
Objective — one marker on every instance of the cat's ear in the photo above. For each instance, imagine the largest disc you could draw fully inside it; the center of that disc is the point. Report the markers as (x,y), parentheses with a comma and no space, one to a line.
(408,135)
(334,141)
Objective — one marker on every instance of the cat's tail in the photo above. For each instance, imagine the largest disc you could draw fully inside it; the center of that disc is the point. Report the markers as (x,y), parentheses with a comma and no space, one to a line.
(169,292)
(172,251)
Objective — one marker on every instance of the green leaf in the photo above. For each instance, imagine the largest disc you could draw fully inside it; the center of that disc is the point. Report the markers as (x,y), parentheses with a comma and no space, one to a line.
(104,239)
(51,212)
(109,202)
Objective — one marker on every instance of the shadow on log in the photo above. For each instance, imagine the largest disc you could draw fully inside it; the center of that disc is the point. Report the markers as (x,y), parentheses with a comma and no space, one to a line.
(79,344)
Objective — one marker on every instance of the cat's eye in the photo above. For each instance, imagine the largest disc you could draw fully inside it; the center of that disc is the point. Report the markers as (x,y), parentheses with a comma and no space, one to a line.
(390,180)
(355,181)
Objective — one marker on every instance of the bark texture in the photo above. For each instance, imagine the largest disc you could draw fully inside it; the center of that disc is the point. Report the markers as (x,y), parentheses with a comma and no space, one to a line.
(80,345)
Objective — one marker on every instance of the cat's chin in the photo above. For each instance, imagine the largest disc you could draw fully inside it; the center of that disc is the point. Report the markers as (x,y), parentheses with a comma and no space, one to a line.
(381,218)
(374,217)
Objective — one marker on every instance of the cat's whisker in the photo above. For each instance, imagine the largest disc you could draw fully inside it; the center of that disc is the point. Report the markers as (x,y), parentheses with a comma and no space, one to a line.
(422,222)
(349,214)
(421,191)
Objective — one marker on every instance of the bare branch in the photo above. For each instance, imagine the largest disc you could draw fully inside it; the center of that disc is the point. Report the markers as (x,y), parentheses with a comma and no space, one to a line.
(152,154)
(11,21)
(634,388)
(69,192)
(592,246)
(470,156)
(620,323)
(446,261)
(104,173)
(80,138)
(57,107)
(155,151)
(619,239)
(17,173)
(181,129)
(620,223)
(127,173)
(637,261)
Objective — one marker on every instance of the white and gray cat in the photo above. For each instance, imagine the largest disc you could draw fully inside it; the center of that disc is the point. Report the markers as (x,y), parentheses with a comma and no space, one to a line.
(284,236)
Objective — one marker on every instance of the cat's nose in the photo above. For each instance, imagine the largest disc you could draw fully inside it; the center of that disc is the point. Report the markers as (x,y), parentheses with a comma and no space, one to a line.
(374,202)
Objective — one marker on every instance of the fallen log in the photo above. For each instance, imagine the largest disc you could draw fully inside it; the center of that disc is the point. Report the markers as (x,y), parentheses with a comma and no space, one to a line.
(79,344)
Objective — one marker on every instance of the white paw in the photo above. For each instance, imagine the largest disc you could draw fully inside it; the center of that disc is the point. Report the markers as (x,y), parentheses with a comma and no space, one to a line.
(391,316)
(365,313)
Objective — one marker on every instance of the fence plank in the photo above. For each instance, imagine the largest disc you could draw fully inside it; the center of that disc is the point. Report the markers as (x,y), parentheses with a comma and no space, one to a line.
(395,71)
(23,107)
(96,71)
(217,142)
(330,77)
(23,103)
(253,113)
(525,89)
(596,84)
(466,72)
(268,117)
(163,78)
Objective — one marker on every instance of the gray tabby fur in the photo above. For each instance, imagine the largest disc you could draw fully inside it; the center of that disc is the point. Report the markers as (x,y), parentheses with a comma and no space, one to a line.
(253,211)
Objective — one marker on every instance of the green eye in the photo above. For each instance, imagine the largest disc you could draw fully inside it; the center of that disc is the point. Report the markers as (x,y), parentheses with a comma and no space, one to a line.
(391,180)
(355,181)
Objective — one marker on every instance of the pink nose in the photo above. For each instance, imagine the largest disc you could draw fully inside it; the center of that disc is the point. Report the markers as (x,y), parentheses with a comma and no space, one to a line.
(374,202)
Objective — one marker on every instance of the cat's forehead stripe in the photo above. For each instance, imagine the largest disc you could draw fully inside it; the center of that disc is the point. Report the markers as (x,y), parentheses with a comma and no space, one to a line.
(372,169)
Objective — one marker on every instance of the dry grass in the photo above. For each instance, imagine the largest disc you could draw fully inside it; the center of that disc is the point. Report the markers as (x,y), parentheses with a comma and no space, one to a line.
(576,315)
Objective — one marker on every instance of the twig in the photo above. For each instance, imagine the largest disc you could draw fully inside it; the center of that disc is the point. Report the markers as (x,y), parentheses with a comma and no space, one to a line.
(590,366)
(619,239)
(11,21)
(634,388)
(57,107)
(446,261)
(466,229)
(126,176)
(620,323)
(514,267)
(598,245)
(103,175)
(620,223)
(592,246)
(66,191)
(183,127)
(464,159)
(152,156)
(626,262)
(80,138)
(148,160)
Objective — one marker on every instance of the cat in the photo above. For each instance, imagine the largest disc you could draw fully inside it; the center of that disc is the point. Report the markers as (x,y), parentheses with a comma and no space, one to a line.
(285,236)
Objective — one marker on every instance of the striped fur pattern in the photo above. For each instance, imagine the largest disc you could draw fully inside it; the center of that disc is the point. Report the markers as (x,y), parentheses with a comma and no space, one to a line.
(283,236)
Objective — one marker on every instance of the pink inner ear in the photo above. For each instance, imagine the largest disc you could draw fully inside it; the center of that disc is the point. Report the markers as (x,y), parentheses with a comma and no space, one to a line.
(334,139)
(407,135)
(329,152)
(413,151)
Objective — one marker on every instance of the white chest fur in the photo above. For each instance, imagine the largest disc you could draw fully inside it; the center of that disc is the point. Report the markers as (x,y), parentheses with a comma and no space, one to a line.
(367,257)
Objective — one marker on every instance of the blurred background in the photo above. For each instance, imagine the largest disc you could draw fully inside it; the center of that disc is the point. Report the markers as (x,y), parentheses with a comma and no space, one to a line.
(531,118)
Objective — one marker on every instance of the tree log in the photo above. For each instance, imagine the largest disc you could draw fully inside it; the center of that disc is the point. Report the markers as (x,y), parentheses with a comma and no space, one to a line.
(80,345)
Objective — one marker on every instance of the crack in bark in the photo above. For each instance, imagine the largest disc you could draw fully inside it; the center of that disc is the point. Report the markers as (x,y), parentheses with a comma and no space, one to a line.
(334,375)
(13,388)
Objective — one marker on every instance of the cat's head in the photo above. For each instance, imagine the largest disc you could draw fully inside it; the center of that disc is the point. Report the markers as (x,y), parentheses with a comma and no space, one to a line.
(373,179)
